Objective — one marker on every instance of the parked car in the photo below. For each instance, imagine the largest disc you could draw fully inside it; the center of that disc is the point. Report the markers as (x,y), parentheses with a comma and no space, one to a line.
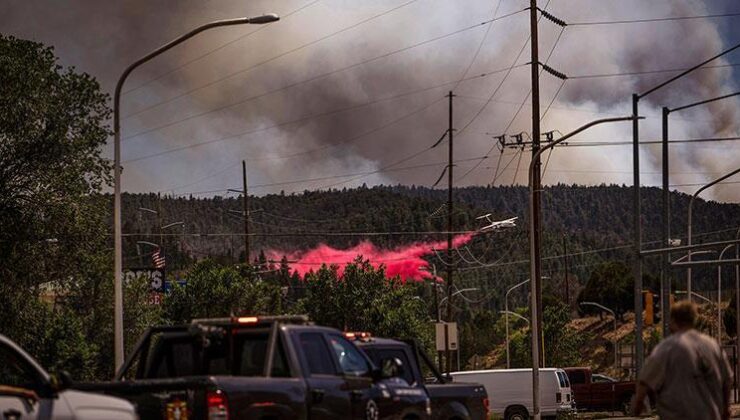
(27,391)
(600,392)
(510,391)
(459,401)
(281,367)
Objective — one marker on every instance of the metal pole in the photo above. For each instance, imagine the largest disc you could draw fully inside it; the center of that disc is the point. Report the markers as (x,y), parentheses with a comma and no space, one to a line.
(719,296)
(534,214)
(665,292)
(637,230)
(506,317)
(737,316)
(245,207)
(565,268)
(535,256)
(117,232)
(436,293)
(614,317)
(689,222)
(506,305)
(449,231)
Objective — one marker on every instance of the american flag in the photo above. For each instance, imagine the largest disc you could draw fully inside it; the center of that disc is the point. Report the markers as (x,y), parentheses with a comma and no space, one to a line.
(158,258)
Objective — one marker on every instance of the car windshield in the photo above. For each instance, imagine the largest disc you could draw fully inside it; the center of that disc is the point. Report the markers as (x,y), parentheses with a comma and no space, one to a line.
(602,378)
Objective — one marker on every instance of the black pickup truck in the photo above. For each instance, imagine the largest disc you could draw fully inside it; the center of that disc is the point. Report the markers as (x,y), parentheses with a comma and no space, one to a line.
(259,368)
(450,401)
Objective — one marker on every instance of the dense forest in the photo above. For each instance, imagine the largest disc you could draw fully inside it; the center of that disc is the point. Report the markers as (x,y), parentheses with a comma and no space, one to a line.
(584,226)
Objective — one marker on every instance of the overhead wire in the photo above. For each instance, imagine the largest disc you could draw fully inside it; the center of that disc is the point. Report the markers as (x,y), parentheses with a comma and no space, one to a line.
(640,73)
(215,50)
(316,77)
(273,58)
(661,19)
(525,99)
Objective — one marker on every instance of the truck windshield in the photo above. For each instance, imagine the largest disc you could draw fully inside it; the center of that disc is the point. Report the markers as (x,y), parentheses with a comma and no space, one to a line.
(181,354)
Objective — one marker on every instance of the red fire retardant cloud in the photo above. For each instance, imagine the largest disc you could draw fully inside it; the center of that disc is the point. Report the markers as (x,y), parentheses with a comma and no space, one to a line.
(405,261)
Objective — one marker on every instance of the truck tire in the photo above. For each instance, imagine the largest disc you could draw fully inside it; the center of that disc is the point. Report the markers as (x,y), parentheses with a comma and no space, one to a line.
(516,412)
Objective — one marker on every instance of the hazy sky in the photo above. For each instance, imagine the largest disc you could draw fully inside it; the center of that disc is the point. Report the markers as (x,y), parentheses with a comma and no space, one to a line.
(342,87)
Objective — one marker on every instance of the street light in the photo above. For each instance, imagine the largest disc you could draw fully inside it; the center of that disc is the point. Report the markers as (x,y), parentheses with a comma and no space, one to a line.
(719,295)
(604,308)
(535,255)
(506,314)
(117,237)
(469,289)
(691,207)
(702,297)
(180,223)
(515,315)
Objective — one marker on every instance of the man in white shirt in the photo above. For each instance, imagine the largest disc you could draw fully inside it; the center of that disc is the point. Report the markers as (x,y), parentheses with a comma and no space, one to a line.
(687,372)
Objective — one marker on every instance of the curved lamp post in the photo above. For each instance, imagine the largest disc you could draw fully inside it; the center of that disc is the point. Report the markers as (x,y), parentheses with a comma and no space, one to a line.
(605,309)
(535,257)
(688,223)
(719,295)
(117,240)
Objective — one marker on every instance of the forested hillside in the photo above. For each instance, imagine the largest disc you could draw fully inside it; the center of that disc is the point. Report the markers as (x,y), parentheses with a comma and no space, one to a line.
(583,226)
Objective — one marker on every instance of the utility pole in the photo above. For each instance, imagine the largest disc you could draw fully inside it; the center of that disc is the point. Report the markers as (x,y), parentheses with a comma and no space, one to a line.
(637,231)
(450,270)
(665,291)
(159,222)
(565,269)
(536,305)
(245,210)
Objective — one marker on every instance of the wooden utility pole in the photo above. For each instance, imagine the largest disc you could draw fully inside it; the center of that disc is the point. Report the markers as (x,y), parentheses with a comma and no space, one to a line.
(537,183)
(245,211)
(449,231)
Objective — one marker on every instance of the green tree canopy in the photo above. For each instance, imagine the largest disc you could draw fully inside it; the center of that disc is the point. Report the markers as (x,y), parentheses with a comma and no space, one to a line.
(53,225)
(364,299)
(610,284)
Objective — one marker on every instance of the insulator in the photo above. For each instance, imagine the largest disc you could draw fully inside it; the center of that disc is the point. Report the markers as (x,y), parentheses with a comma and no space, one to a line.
(554,72)
(552,18)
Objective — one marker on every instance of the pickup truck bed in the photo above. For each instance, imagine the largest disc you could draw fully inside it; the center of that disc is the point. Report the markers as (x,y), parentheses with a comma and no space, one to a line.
(266,368)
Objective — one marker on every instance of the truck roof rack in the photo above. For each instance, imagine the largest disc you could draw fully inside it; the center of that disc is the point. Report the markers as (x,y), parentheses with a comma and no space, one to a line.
(253,320)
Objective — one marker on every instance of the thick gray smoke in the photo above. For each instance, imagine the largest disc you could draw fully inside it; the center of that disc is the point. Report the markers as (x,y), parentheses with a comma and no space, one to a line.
(374,132)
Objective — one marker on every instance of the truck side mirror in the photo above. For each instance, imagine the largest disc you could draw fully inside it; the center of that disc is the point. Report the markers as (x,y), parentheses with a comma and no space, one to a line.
(61,381)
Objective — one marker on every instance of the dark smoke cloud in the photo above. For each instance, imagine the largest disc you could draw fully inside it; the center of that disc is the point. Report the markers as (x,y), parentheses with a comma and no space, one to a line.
(103,37)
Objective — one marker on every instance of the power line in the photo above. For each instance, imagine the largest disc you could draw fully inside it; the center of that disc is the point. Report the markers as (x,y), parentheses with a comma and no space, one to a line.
(316,233)
(591,251)
(480,46)
(329,177)
(639,73)
(549,55)
(213,51)
(663,19)
(306,118)
(310,79)
(230,75)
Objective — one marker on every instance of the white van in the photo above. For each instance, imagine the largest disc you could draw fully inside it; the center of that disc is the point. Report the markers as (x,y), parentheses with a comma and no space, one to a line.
(510,391)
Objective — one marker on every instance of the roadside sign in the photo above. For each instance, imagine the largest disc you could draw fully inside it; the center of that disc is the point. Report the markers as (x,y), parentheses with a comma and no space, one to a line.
(155,276)
(451,342)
